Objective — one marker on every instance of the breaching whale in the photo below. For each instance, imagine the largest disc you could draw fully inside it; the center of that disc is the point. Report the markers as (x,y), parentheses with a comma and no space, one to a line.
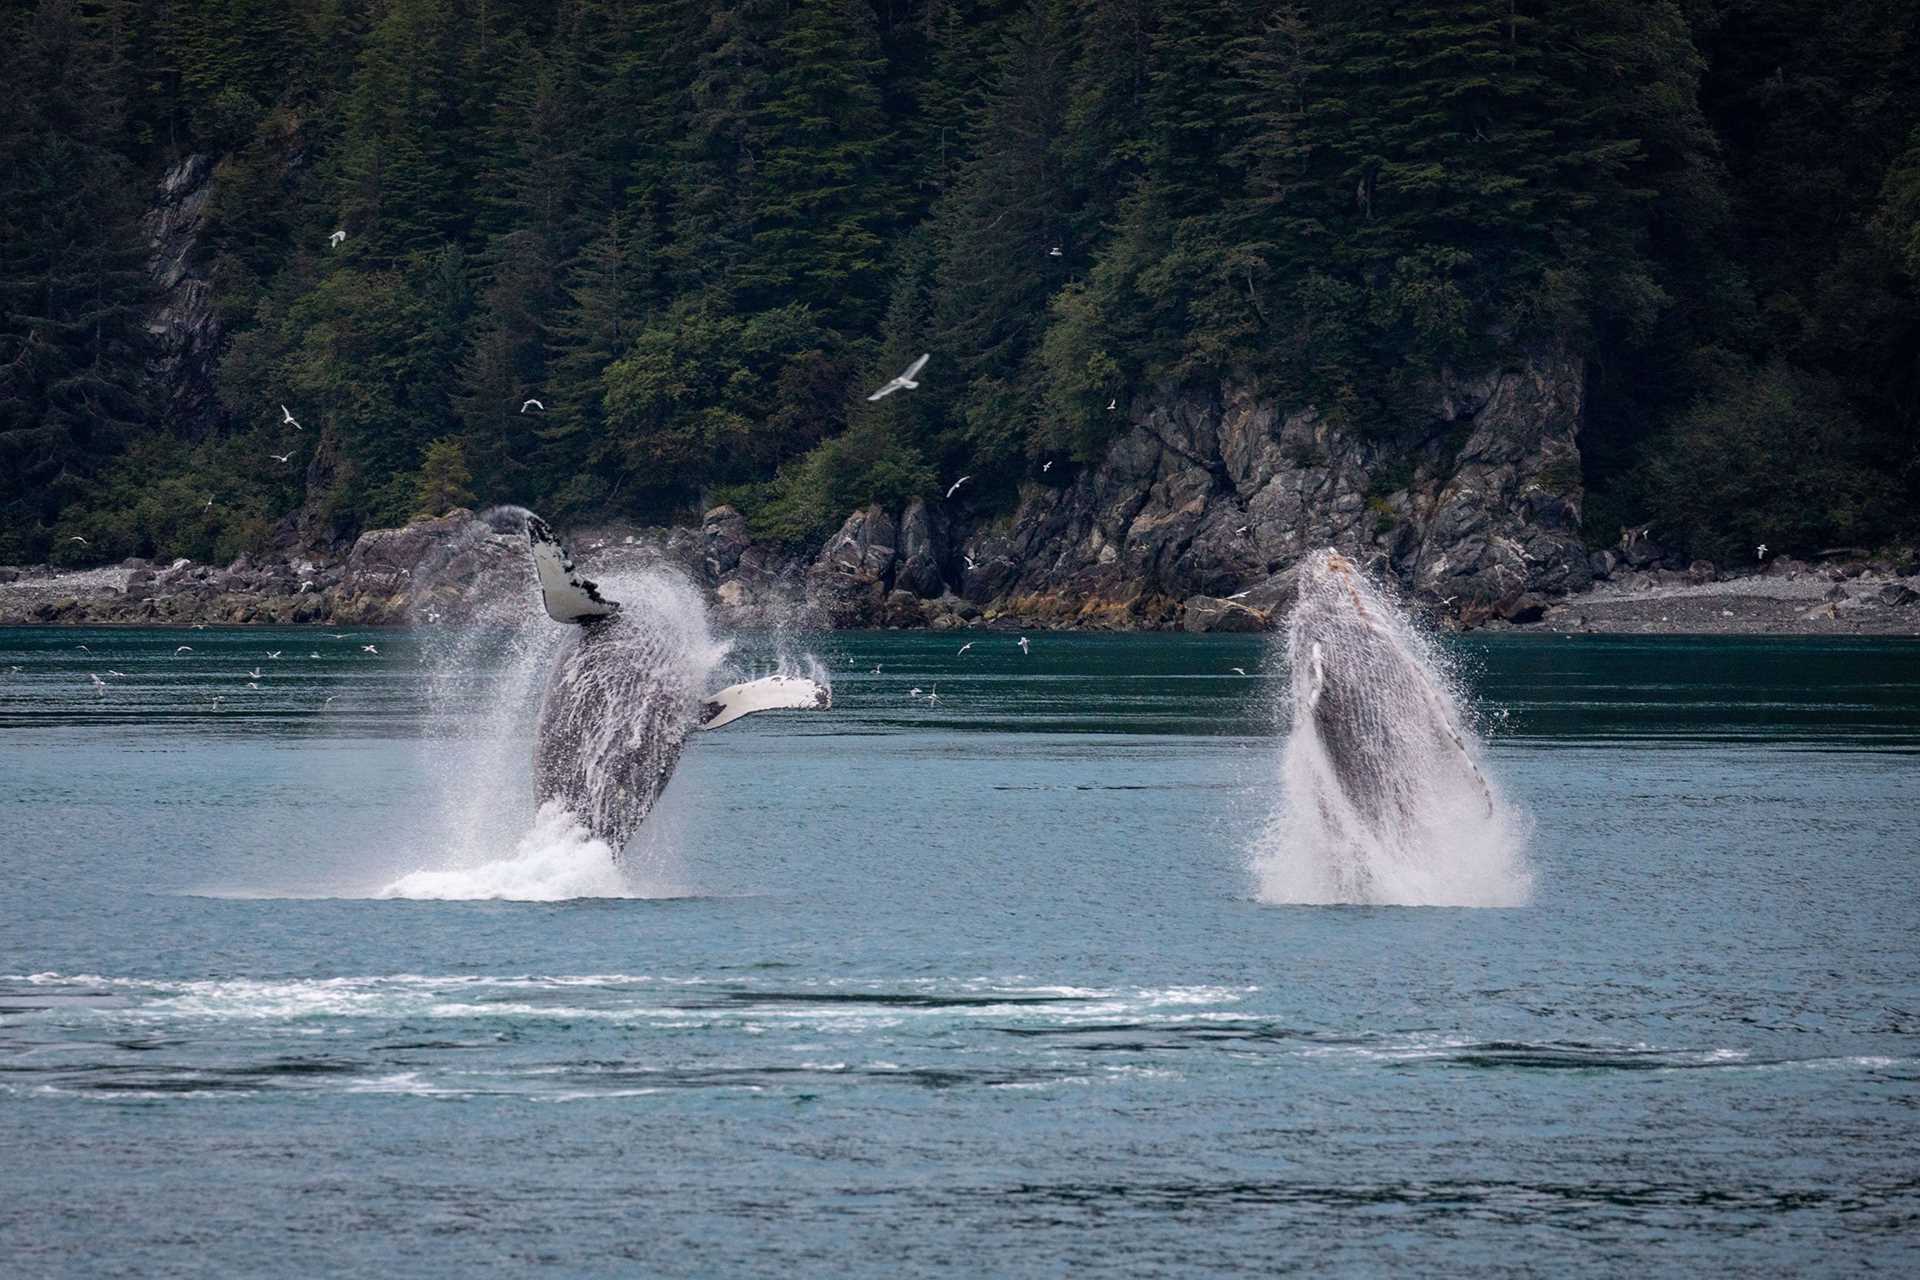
(620,702)
(1381,769)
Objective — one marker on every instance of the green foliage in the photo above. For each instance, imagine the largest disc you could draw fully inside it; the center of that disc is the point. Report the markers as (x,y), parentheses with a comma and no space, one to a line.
(699,231)
(1773,456)
(443,479)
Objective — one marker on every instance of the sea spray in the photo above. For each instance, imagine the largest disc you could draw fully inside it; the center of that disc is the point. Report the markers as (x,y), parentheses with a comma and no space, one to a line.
(1382,795)
(487,682)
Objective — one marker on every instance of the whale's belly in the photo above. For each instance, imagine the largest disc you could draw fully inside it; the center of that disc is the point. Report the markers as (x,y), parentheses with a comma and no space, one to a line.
(615,717)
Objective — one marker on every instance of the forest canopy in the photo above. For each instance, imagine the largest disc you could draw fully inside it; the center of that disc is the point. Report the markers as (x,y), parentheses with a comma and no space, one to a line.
(699,232)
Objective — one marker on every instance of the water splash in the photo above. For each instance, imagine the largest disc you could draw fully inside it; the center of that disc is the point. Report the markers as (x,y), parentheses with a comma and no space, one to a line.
(1382,796)
(554,862)
(486,683)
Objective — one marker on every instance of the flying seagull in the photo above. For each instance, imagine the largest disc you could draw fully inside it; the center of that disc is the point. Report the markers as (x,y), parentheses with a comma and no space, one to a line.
(335,239)
(933,695)
(1047,466)
(286,419)
(276,653)
(81,646)
(1023,644)
(1760,552)
(254,674)
(185,648)
(1113,404)
(121,674)
(1243,528)
(1238,595)
(956,485)
(969,560)
(341,635)
(209,505)
(252,685)
(1239,671)
(98,683)
(78,539)
(280,457)
(905,382)
(532,404)
(963,648)
(367,648)
(1054,252)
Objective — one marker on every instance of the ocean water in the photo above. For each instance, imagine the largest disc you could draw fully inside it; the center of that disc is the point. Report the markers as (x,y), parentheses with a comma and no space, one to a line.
(303,985)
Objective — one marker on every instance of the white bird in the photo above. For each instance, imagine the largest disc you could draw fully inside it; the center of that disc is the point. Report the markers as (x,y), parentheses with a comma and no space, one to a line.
(313,655)
(1243,528)
(532,404)
(933,696)
(1023,644)
(1113,404)
(956,485)
(914,692)
(969,560)
(121,674)
(276,653)
(328,700)
(252,685)
(280,457)
(97,681)
(81,646)
(1239,595)
(335,239)
(1760,552)
(1047,466)
(254,674)
(217,700)
(905,382)
(1054,252)
(963,648)
(367,648)
(286,419)
(1449,600)
(199,626)
(875,671)
(1239,671)
(341,635)
(185,648)
(80,540)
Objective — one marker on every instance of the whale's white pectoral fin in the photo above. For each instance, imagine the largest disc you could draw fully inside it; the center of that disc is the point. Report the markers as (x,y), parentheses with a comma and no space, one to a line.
(773,693)
(1316,676)
(567,595)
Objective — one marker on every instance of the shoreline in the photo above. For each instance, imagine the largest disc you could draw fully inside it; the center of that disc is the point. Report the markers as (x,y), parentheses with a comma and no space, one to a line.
(1758,604)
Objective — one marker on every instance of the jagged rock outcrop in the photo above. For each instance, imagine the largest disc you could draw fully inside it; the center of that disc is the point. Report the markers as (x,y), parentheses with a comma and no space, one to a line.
(183,325)
(1211,493)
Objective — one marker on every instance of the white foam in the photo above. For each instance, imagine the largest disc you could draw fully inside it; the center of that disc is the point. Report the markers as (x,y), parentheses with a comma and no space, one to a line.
(556,861)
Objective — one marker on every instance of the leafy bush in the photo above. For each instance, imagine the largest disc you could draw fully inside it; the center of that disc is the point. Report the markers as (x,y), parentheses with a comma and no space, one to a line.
(1775,457)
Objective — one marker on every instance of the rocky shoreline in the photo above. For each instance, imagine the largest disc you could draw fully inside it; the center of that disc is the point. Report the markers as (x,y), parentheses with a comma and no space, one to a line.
(879,571)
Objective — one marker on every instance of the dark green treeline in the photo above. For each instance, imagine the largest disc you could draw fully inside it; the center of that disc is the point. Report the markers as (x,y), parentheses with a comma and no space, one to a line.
(700,231)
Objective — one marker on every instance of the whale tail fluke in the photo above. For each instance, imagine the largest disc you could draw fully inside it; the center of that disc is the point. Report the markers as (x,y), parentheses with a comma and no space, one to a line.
(567,595)
(773,693)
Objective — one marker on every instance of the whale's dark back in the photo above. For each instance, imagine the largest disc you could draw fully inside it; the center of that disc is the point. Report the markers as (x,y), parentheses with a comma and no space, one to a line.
(617,712)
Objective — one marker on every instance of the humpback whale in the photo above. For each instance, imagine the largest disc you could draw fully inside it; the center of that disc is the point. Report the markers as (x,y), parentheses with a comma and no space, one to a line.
(621,701)
(1384,788)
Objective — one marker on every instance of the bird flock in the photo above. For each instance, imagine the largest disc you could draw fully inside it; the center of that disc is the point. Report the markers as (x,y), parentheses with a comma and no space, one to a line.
(253,679)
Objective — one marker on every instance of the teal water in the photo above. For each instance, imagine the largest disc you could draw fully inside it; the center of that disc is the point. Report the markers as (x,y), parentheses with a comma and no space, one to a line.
(980,986)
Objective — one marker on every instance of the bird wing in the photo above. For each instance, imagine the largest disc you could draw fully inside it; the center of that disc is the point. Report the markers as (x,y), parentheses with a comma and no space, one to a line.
(916,366)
